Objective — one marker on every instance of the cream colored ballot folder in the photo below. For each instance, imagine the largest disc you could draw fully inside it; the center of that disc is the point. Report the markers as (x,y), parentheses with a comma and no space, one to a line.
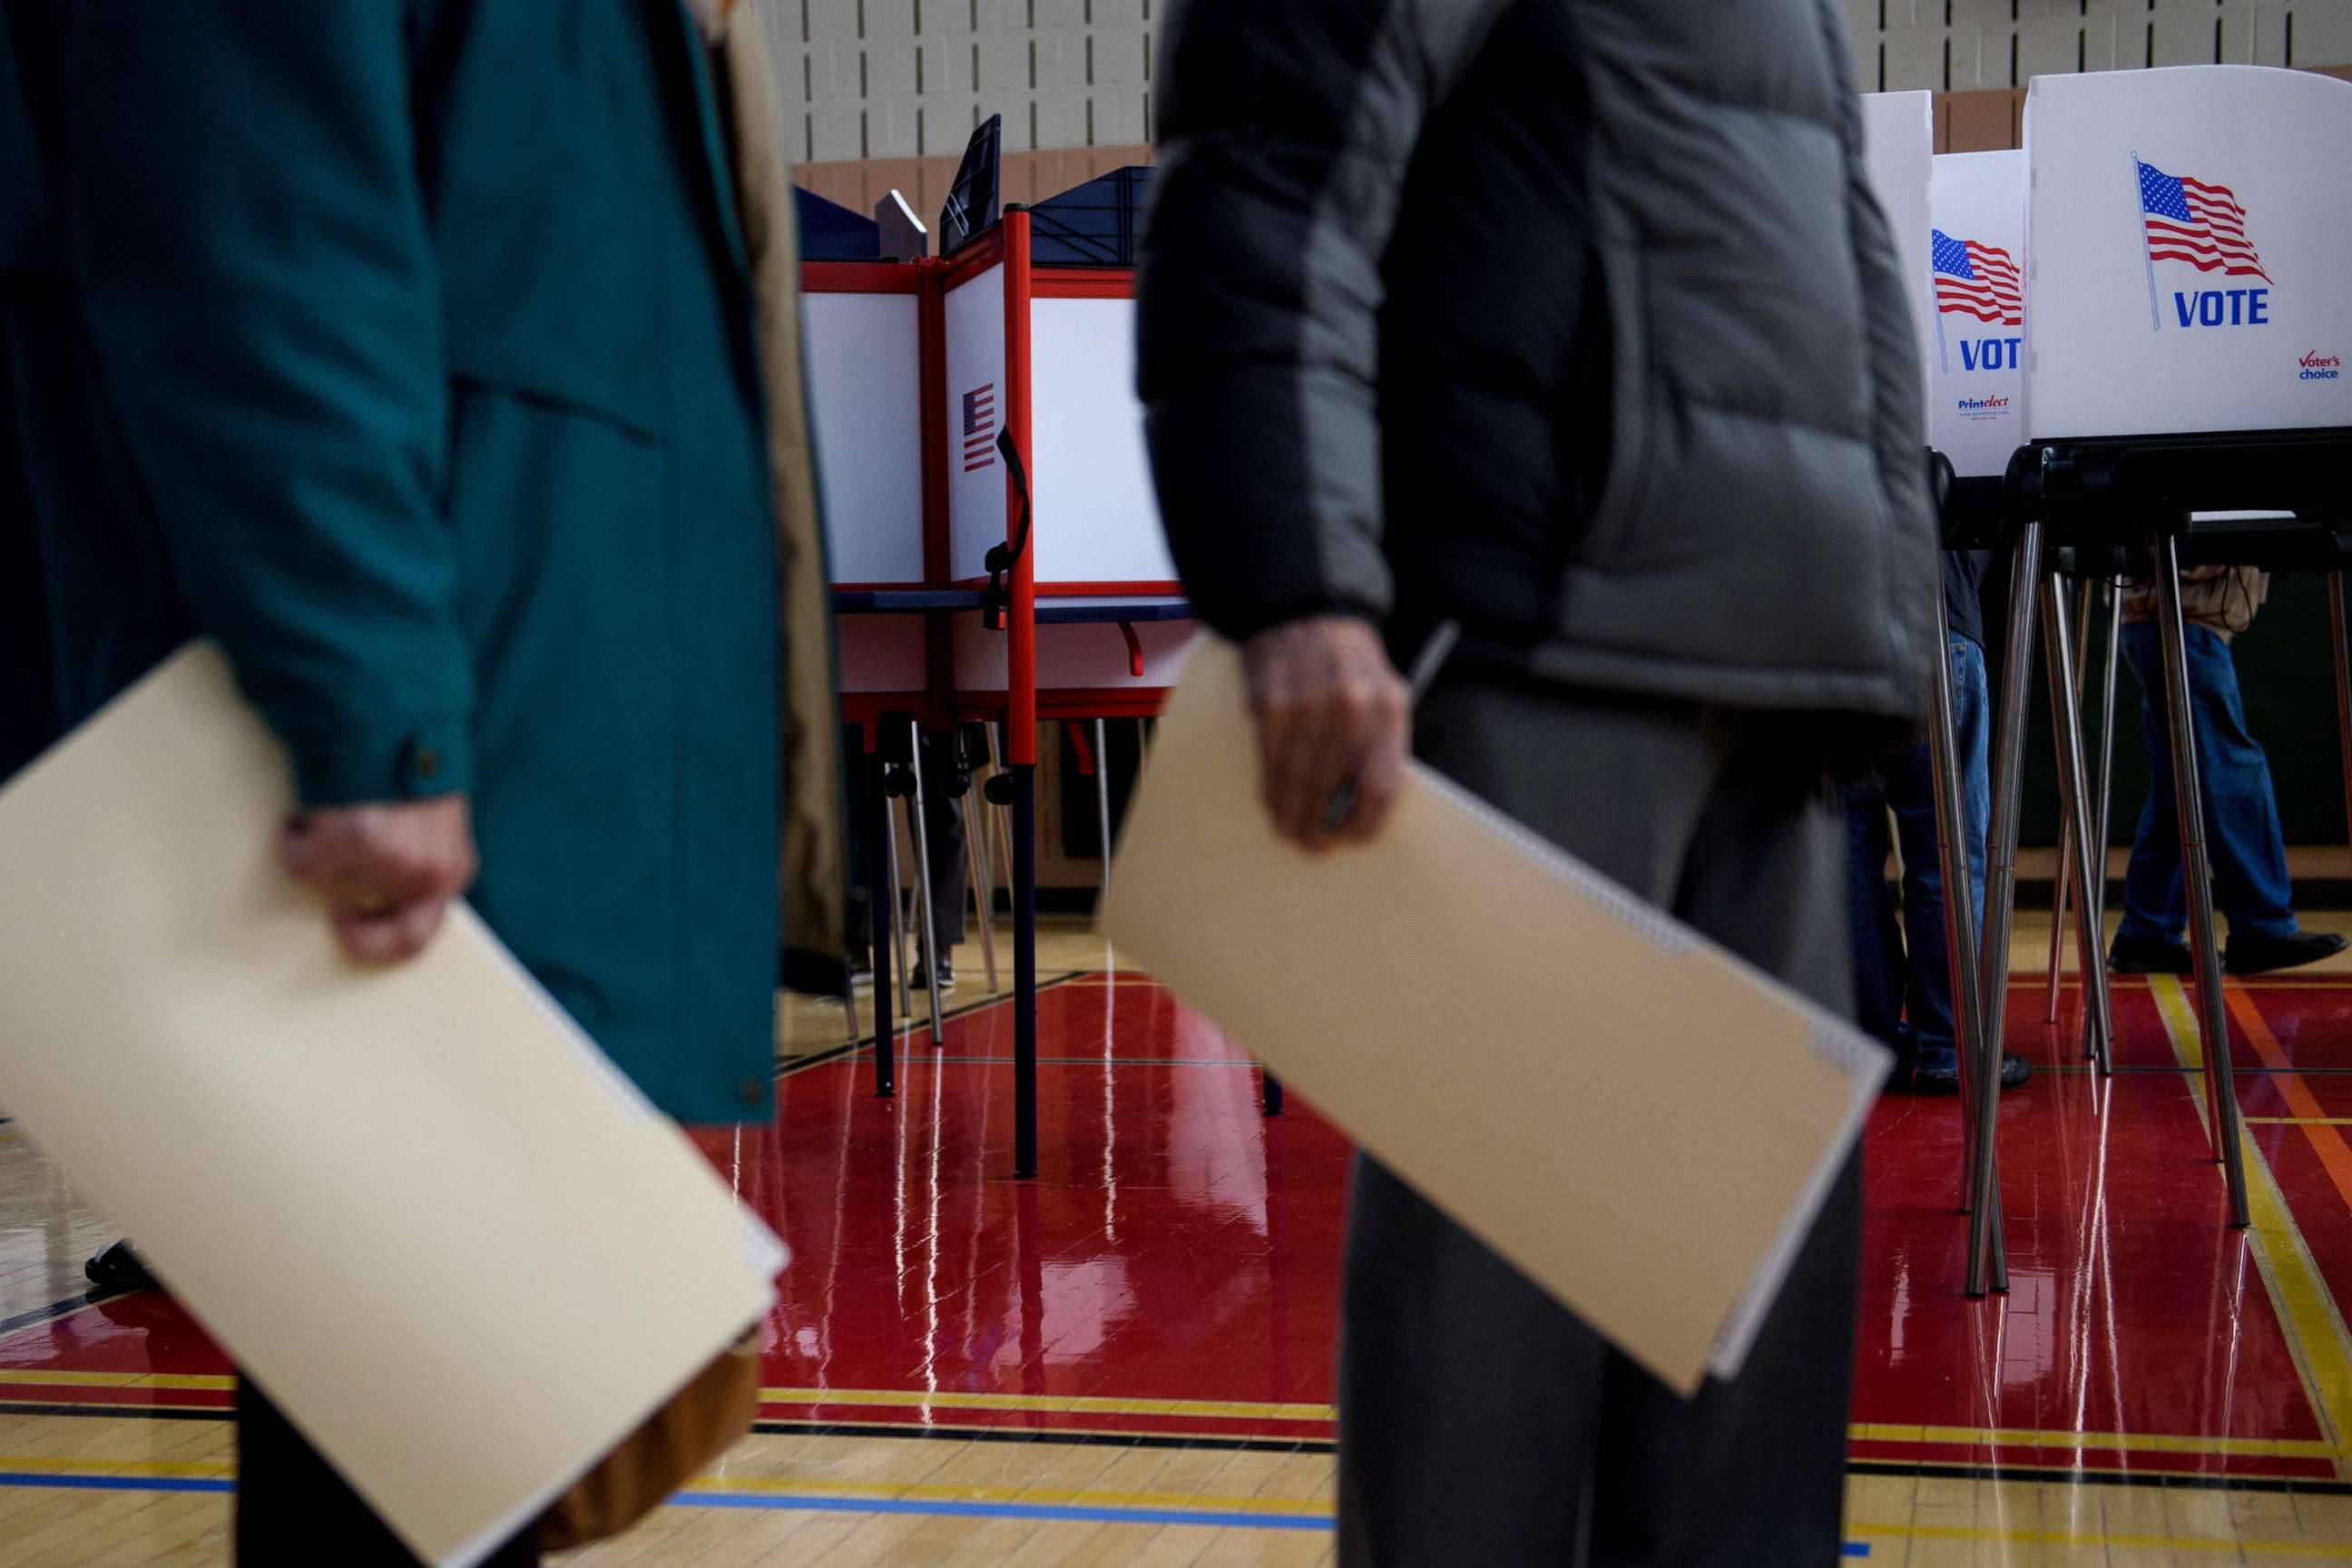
(455,1245)
(1642,1123)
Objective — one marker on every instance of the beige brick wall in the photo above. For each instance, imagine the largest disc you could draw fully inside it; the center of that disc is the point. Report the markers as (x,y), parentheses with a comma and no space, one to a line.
(1960,46)
(881,94)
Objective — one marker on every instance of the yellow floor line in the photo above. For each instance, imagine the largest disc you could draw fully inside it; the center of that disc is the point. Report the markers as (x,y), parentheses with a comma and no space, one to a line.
(1070,1405)
(2095,1442)
(2298,1121)
(2163,1545)
(2315,1334)
(44,1378)
(749,1486)
(2055,1440)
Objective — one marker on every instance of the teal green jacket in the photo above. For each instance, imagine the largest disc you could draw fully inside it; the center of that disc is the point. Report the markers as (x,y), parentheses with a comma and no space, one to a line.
(405,348)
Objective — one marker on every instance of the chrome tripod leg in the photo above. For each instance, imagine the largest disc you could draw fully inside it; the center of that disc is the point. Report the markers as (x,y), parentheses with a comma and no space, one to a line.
(2062,887)
(2001,887)
(1102,803)
(2073,796)
(980,868)
(1960,927)
(2343,686)
(929,946)
(2221,1079)
(2105,782)
(898,914)
(1000,818)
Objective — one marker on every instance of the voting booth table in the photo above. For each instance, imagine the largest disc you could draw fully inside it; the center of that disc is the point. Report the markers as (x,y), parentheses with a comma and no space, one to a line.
(2185,323)
(995,545)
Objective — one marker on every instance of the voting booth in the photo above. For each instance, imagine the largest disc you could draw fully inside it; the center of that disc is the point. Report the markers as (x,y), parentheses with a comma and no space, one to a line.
(1976,344)
(1048,352)
(2190,230)
(863,344)
(995,545)
(2185,319)
(1898,147)
(1898,132)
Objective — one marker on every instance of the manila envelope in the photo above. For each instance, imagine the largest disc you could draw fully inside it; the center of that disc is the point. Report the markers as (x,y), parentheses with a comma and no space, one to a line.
(460,1251)
(1642,1123)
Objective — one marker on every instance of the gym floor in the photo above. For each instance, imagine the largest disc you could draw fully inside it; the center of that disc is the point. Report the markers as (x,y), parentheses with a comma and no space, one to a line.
(1127,1360)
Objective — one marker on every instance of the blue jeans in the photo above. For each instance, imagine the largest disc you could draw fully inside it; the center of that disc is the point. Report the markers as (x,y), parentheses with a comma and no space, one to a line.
(2242,838)
(1904,997)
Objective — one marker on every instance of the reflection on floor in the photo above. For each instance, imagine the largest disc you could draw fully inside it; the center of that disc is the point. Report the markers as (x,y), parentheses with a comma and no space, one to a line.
(1128,1360)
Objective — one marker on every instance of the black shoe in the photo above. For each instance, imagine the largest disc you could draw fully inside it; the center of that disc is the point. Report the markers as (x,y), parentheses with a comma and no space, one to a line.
(2248,953)
(1934,1082)
(119,1270)
(2138,955)
(920,979)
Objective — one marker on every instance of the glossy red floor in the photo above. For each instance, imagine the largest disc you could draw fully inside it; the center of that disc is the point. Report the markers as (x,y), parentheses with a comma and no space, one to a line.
(1172,1269)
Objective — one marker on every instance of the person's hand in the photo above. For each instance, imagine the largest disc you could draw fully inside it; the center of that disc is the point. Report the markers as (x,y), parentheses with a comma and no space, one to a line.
(1331,714)
(387,871)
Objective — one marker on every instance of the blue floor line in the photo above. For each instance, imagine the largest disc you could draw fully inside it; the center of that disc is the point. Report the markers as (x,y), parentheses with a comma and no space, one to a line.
(1069,1513)
(119,1483)
(1065,1512)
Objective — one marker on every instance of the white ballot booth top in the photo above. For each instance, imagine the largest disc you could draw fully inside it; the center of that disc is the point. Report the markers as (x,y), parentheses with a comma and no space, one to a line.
(1975,360)
(914,370)
(1109,623)
(2188,245)
(1898,148)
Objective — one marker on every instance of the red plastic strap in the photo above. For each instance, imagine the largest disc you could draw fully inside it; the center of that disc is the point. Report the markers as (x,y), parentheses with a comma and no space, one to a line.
(1086,753)
(1134,649)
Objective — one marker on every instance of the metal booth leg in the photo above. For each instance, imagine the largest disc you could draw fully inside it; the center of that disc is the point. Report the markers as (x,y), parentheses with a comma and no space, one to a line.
(2111,657)
(930,947)
(981,873)
(881,893)
(1969,1032)
(1025,969)
(2221,1079)
(1000,818)
(2063,882)
(2001,887)
(895,904)
(2074,797)
(2343,686)
(1102,802)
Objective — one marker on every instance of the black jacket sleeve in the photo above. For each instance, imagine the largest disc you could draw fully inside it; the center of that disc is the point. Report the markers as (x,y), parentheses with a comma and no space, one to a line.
(1287,128)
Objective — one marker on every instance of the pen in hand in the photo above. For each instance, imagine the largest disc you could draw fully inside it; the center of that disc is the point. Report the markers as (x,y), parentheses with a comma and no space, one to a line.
(1426,664)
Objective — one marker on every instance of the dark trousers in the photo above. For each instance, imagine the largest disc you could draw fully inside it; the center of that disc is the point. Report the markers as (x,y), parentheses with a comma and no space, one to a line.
(1902,973)
(943,826)
(294,1511)
(1480,1421)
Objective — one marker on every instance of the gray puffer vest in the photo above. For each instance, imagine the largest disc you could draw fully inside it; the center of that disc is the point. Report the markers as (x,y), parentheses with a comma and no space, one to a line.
(1573,319)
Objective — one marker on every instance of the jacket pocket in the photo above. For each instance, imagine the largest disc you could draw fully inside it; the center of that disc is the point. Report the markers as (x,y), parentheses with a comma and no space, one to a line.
(1624,390)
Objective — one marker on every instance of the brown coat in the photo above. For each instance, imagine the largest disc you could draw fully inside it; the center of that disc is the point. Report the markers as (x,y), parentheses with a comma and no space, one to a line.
(810,878)
(2222,599)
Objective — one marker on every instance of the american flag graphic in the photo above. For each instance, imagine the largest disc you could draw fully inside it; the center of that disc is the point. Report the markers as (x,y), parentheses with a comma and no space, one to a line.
(1977,280)
(2188,220)
(980,427)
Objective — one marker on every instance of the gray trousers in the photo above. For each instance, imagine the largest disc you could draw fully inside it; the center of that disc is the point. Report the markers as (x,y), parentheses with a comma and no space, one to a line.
(1481,1423)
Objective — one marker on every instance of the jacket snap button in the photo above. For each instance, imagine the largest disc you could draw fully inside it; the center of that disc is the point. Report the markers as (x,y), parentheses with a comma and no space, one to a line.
(750,1091)
(428,762)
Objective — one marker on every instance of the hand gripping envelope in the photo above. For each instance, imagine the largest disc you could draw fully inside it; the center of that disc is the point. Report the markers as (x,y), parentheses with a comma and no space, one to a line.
(1638,1120)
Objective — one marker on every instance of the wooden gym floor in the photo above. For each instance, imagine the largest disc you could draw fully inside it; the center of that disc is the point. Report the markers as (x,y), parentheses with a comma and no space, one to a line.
(1128,1360)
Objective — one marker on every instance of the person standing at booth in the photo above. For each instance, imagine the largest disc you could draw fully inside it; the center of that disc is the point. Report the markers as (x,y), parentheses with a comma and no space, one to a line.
(1902,971)
(2242,837)
(440,364)
(1572,321)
